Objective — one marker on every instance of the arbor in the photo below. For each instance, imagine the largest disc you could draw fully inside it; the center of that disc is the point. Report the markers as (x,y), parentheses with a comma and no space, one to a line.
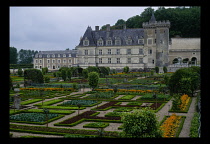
(13,55)
(140,124)
(93,78)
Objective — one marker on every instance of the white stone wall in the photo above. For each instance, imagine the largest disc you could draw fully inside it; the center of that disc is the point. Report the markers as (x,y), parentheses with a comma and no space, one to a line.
(185,43)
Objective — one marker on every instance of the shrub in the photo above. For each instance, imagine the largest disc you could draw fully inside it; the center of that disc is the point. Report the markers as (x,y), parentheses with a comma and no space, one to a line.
(194,125)
(46,79)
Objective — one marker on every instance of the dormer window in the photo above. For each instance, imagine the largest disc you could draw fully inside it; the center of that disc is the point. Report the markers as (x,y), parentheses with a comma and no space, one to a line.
(100,42)
(86,42)
(129,41)
(40,56)
(59,55)
(69,55)
(48,55)
(53,55)
(109,41)
(117,41)
(141,41)
(64,55)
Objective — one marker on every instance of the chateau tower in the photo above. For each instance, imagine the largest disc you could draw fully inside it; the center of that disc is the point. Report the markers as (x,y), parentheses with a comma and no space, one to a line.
(156,37)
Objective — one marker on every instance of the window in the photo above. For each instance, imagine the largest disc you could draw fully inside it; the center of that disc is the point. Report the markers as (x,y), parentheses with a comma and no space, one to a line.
(69,60)
(58,61)
(140,60)
(64,55)
(64,61)
(100,42)
(86,52)
(40,61)
(109,42)
(161,41)
(193,53)
(59,55)
(53,61)
(153,61)
(129,42)
(118,60)
(155,40)
(48,66)
(155,31)
(48,55)
(58,66)
(109,51)
(141,51)
(118,51)
(128,51)
(86,42)
(100,52)
(36,61)
(100,60)
(69,55)
(109,60)
(117,42)
(40,56)
(129,60)
(53,55)
(48,61)
(149,41)
(150,51)
(140,41)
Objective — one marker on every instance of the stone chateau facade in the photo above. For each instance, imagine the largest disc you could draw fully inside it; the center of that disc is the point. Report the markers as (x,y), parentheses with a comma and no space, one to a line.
(137,48)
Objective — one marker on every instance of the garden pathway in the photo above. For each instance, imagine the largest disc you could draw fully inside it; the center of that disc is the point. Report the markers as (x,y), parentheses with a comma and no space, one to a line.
(185,132)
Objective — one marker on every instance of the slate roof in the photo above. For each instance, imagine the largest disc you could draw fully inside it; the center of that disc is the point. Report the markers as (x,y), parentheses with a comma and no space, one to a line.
(122,34)
(61,52)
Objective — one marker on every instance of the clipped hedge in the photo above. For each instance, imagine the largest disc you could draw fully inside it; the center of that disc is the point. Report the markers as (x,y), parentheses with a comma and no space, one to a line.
(50,102)
(58,131)
(194,125)
(96,125)
(30,101)
(62,107)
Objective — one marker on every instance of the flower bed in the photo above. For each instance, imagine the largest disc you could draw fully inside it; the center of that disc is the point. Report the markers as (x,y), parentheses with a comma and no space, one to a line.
(184,102)
(82,102)
(50,102)
(30,101)
(125,90)
(171,125)
(62,107)
(127,97)
(48,89)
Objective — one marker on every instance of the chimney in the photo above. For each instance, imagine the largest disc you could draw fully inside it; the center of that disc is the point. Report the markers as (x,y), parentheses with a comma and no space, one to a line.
(124,26)
(96,28)
(108,27)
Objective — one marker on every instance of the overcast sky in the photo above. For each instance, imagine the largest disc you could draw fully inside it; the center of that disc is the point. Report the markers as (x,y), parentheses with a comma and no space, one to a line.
(58,28)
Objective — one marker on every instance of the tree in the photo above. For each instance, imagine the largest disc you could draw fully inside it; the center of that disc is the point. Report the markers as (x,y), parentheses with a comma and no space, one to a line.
(46,111)
(63,73)
(184,81)
(20,72)
(13,55)
(126,69)
(92,69)
(33,75)
(93,78)
(85,73)
(69,74)
(165,69)
(157,69)
(140,124)
(26,56)
(152,72)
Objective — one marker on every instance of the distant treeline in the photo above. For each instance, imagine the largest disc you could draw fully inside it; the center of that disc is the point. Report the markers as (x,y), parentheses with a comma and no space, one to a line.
(185,22)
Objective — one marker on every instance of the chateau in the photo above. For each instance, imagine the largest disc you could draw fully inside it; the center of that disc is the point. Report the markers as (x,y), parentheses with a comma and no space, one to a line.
(137,48)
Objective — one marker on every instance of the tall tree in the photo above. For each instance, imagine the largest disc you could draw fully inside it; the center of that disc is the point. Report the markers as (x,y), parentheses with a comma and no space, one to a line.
(93,78)
(26,56)
(13,55)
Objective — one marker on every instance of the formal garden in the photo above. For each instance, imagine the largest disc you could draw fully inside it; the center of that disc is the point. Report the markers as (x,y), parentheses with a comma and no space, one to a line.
(99,102)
